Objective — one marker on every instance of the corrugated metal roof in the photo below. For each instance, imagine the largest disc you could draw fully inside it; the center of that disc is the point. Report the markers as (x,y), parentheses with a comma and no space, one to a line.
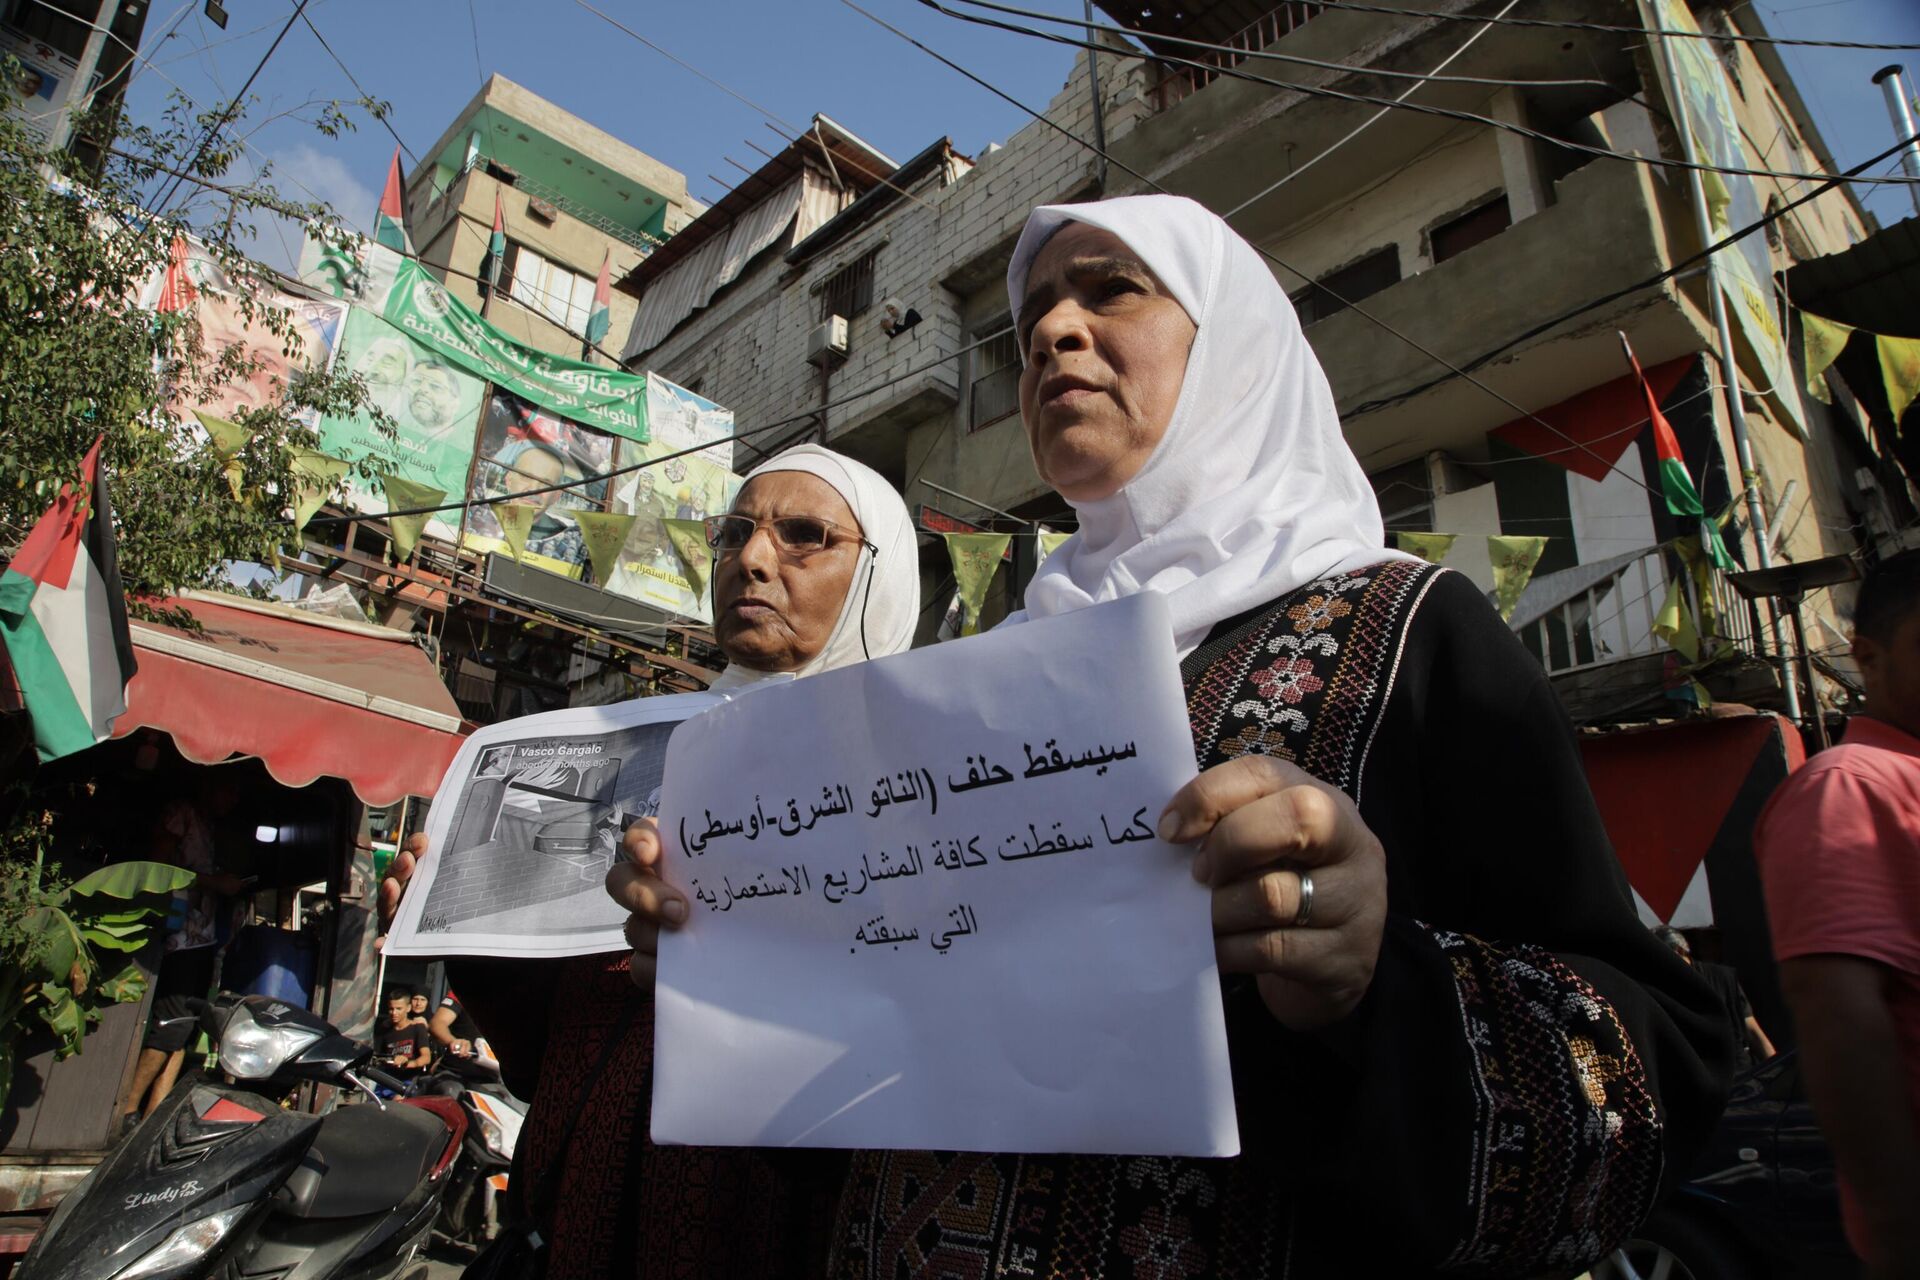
(1873,286)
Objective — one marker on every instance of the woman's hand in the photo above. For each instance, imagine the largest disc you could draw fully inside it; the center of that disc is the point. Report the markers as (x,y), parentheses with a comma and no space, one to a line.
(399,871)
(634,882)
(1261,823)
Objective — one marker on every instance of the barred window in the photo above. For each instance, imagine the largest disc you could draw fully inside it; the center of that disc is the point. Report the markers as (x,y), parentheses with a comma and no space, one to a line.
(993,379)
(849,291)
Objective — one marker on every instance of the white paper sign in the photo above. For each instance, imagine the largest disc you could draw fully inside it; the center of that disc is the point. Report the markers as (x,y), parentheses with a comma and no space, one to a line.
(525,825)
(928,909)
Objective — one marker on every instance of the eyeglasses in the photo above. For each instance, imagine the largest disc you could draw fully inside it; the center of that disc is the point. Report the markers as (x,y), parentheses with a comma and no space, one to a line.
(792,535)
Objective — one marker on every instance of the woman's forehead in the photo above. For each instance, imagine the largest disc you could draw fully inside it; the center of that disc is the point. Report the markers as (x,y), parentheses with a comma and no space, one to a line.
(794,493)
(1075,241)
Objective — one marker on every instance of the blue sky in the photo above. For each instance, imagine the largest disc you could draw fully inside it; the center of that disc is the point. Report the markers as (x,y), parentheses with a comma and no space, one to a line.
(793,57)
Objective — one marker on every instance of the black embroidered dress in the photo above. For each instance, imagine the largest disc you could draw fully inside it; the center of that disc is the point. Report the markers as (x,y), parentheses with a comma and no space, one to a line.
(1526,1070)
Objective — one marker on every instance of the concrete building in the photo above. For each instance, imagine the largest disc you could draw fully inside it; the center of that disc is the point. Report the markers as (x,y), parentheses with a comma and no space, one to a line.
(570,193)
(1466,246)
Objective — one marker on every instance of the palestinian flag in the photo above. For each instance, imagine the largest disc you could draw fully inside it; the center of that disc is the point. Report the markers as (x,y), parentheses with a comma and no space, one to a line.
(176,286)
(1683,499)
(599,318)
(64,618)
(496,244)
(390,223)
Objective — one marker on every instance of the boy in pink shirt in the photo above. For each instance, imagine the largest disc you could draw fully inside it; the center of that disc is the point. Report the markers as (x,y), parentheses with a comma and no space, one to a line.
(1839,853)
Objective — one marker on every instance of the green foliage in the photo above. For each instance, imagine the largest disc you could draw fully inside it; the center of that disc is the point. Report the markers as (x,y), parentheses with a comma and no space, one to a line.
(79,356)
(57,939)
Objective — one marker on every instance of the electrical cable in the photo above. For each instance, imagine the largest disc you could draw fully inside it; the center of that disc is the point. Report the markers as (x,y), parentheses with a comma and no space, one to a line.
(219,120)
(1448,113)
(1267,55)
(354,81)
(1571,25)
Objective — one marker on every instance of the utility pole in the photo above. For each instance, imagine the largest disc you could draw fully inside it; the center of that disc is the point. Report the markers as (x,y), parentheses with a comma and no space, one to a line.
(60,132)
(1893,83)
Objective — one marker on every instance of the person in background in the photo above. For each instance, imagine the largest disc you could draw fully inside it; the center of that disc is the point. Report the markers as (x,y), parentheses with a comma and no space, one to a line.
(1750,1041)
(402,1045)
(451,1028)
(1839,853)
(417,1006)
(184,837)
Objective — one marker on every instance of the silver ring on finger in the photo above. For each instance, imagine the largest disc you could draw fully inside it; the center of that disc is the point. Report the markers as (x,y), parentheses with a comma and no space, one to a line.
(1304,912)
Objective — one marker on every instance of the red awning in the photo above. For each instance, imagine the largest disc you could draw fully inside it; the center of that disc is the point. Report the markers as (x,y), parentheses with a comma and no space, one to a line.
(311,697)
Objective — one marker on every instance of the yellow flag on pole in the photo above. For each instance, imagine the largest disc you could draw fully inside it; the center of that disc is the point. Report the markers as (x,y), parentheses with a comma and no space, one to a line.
(315,475)
(1513,560)
(689,539)
(516,522)
(605,533)
(1821,342)
(1431,547)
(402,495)
(975,557)
(1900,369)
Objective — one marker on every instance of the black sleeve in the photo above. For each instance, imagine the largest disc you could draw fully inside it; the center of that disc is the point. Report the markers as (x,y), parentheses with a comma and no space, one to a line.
(1530,1065)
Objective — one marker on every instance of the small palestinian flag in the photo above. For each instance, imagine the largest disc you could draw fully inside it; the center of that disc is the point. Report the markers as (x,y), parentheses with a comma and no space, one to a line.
(64,618)
(599,318)
(496,244)
(1683,499)
(390,222)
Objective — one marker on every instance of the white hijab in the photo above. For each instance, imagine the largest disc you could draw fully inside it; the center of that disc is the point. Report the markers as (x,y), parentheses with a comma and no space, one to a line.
(1252,492)
(883,600)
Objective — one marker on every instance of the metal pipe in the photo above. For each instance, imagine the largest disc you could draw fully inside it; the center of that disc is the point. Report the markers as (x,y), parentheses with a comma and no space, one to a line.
(1099,114)
(1893,83)
(1729,369)
(954,493)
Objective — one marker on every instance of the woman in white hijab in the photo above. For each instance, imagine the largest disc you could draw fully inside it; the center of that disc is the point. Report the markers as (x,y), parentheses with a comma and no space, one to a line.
(816,568)
(1454,1048)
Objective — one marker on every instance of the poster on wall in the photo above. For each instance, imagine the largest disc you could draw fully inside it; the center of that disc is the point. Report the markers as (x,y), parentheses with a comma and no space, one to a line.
(1745,269)
(651,572)
(316,328)
(523,448)
(434,405)
(681,419)
(43,81)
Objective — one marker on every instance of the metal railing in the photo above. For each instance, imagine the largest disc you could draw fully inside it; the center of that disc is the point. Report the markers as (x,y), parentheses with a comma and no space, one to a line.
(644,241)
(1184,82)
(1612,619)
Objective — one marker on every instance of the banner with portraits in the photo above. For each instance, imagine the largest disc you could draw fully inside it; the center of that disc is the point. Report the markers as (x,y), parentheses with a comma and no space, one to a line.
(693,487)
(523,448)
(434,407)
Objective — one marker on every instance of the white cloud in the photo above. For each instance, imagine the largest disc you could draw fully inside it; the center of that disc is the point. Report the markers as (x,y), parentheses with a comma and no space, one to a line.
(303,173)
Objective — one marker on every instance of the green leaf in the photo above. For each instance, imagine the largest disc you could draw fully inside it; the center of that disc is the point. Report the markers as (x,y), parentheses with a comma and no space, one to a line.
(57,942)
(111,943)
(124,987)
(62,1013)
(132,880)
(135,929)
(139,915)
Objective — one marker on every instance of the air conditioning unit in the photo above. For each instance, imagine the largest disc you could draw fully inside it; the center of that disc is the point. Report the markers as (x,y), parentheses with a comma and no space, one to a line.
(828,341)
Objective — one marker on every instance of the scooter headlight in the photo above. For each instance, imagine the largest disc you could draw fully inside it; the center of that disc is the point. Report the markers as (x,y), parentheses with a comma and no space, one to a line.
(187,1245)
(249,1051)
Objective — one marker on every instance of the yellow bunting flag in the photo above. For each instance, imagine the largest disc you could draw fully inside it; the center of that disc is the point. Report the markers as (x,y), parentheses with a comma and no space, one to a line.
(229,438)
(1513,561)
(1050,540)
(516,521)
(689,539)
(1715,187)
(1431,547)
(605,533)
(975,557)
(1674,623)
(315,475)
(404,495)
(1900,368)
(1821,342)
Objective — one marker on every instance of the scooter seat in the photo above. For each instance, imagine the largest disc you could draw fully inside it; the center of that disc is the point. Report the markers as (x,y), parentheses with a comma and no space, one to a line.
(365,1160)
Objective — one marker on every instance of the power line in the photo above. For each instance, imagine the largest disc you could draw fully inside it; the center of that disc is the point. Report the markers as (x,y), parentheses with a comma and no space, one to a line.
(354,81)
(220,118)
(1449,113)
(1267,55)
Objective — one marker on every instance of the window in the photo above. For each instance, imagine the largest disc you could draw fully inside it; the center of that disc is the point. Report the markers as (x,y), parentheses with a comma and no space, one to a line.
(1457,235)
(1331,294)
(546,288)
(849,291)
(993,377)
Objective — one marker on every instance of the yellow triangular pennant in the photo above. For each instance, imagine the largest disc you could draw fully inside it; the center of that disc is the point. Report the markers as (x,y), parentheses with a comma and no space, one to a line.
(1674,623)
(689,539)
(229,438)
(315,475)
(402,495)
(1050,541)
(1513,561)
(516,522)
(1431,547)
(975,557)
(1821,342)
(605,533)
(1900,369)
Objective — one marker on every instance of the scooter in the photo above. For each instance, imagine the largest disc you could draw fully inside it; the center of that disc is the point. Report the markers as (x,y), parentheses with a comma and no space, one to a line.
(219,1180)
(470,1208)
